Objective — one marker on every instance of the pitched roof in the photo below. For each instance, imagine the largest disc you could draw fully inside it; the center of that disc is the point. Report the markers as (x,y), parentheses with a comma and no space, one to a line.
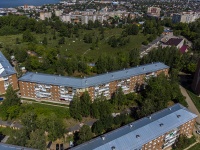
(91,81)
(13,147)
(5,67)
(125,138)
(183,48)
(173,41)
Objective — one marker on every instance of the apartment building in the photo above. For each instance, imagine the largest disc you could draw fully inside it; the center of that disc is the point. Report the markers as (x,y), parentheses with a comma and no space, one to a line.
(185,17)
(153,11)
(156,132)
(45,15)
(56,88)
(8,75)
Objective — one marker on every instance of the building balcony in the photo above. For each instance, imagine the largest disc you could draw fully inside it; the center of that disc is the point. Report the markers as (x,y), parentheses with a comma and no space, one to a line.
(107,85)
(37,89)
(42,89)
(5,78)
(42,93)
(96,88)
(124,88)
(6,85)
(48,86)
(103,89)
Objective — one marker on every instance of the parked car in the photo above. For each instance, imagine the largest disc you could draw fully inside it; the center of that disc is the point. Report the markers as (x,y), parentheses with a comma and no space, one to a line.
(198,131)
(57,146)
(1,98)
(61,147)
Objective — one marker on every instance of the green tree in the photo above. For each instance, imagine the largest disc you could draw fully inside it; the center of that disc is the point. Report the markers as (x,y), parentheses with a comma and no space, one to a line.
(27,36)
(61,41)
(56,128)
(98,127)
(45,42)
(11,97)
(37,140)
(29,121)
(85,134)
(75,108)
(85,104)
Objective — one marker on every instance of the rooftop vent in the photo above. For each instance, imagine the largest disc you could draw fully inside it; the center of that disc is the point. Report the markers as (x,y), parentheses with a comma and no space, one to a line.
(143,68)
(112,76)
(149,117)
(86,81)
(137,136)
(178,116)
(103,137)
(130,125)
(36,72)
(113,148)
(161,124)
(170,108)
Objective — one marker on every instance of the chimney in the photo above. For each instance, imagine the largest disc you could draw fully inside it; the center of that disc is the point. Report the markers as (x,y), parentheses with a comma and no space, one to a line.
(103,137)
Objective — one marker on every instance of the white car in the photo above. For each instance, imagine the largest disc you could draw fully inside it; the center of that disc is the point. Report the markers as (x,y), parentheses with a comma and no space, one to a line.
(198,131)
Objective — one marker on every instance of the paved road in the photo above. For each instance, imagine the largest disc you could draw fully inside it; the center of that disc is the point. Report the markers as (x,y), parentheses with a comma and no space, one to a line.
(191,105)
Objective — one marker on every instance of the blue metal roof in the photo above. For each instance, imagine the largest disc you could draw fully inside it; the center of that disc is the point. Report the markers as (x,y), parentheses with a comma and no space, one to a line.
(91,81)
(147,128)
(7,68)
(13,147)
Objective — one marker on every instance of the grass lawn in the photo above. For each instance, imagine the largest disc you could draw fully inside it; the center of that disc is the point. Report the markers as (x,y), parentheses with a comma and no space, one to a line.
(46,110)
(6,131)
(76,46)
(195,147)
(195,99)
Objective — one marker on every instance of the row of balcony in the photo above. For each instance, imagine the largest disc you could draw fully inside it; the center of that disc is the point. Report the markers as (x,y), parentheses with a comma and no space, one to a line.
(169,143)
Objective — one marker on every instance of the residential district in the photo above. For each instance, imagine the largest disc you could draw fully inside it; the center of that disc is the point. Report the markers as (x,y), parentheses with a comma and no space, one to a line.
(100,75)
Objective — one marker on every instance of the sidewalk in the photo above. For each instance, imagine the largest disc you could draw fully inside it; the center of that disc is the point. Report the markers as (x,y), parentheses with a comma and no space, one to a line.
(190,103)
(190,146)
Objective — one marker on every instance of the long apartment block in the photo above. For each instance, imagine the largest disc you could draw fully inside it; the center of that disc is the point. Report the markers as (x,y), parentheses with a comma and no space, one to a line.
(8,75)
(156,132)
(56,88)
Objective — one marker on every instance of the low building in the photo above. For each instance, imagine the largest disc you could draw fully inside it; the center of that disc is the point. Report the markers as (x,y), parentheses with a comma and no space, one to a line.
(157,132)
(8,75)
(177,42)
(56,88)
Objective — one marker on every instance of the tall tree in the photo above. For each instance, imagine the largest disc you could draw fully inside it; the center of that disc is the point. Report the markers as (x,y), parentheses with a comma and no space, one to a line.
(84,134)
(11,97)
(85,104)
(75,108)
